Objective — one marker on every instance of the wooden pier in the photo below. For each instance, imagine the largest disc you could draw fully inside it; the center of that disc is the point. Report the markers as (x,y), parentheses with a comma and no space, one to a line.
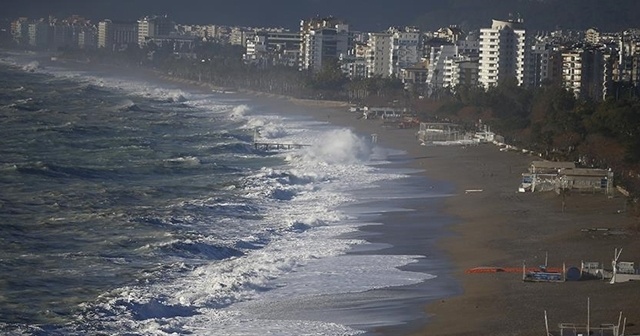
(266,146)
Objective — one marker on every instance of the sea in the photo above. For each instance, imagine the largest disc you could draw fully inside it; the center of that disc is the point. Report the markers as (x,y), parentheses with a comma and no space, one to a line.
(130,206)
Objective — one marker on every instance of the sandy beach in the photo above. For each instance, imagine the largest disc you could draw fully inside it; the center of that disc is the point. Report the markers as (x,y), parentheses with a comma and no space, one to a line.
(494,225)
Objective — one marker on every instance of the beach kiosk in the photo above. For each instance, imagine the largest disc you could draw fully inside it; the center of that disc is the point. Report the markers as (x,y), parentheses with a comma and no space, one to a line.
(542,175)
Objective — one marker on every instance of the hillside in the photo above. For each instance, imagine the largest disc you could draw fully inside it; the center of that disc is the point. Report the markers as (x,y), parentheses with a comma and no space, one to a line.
(537,14)
(364,15)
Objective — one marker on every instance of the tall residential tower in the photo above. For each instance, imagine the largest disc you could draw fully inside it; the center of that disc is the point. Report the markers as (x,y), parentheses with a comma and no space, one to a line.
(503,53)
(322,40)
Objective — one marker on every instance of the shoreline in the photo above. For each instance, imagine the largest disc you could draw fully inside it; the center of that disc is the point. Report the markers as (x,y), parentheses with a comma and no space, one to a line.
(496,227)
(500,227)
(337,114)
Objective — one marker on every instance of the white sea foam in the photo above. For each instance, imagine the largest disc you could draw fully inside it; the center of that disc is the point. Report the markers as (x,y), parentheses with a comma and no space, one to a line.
(338,147)
(184,160)
(31,66)
(239,111)
(302,263)
(303,260)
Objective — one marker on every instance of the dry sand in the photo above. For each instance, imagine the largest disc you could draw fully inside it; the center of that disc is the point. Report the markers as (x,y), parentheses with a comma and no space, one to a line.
(496,226)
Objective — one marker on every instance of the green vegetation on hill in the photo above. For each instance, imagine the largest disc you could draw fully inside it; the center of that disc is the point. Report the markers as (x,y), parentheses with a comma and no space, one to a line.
(549,120)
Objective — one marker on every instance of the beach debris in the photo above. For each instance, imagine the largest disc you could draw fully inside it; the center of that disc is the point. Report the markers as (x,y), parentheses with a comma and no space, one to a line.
(592,270)
(564,176)
(494,269)
(605,231)
(543,274)
(613,329)
(469,191)
(623,271)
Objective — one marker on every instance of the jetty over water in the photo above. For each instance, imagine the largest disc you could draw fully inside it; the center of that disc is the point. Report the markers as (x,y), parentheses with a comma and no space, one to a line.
(260,144)
(277,146)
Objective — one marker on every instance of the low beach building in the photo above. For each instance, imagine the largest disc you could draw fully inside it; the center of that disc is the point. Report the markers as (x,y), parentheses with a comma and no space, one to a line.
(549,167)
(559,176)
(438,132)
(385,112)
(586,180)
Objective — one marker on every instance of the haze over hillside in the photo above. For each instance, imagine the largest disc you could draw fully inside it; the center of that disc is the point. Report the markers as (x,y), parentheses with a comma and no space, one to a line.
(537,14)
(364,15)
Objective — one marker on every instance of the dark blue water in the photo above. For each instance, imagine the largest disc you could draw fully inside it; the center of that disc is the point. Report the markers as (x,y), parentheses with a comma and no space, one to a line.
(133,206)
(103,187)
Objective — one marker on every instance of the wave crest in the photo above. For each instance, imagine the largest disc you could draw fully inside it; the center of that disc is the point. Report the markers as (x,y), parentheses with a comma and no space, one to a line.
(239,111)
(339,147)
(281,185)
(31,66)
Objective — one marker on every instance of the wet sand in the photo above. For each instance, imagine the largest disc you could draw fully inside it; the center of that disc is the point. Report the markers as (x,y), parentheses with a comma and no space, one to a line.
(490,224)
(494,225)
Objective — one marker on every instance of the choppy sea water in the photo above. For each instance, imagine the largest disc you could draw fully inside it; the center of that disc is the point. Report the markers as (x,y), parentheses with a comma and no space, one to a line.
(139,208)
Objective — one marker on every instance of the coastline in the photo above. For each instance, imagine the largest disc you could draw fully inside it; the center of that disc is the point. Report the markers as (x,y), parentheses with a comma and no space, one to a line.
(500,227)
(496,227)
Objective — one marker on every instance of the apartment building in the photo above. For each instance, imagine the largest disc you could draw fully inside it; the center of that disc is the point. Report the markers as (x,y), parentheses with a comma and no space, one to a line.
(405,49)
(628,47)
(153,26)
(273,47)
(20,30)
(540,63)
(378,55)
(504,52)
(592,36)
(464,72)
(585,72)
(439,57)
(354,63)
(256,47)
(240,36)
(451,64)
(117,35)
(88,37)
(104,34)
(452,34)
(63,35)
(38,32)
(322,40)
(414,78)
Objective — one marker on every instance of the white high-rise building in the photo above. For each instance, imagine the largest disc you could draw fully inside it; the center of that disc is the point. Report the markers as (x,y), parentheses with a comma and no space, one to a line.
(440,59)
(405,49)
(378,55)
(451,65)
(104,39)
(38,34)
(503,53)
(154,26)
(322,40)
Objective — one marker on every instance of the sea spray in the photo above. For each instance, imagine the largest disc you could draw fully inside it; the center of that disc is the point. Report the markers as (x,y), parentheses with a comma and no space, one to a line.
(340,146)
(170,222)
(239,111)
